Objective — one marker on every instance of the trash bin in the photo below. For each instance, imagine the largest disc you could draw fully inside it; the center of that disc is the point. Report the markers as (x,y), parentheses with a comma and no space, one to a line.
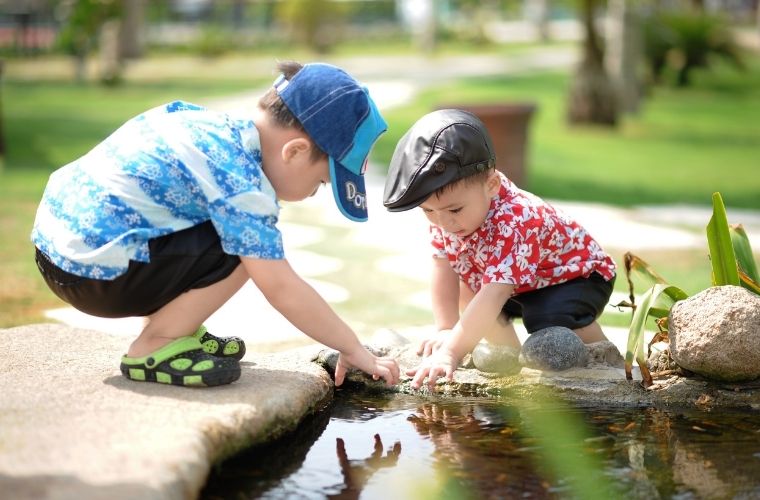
(507,124)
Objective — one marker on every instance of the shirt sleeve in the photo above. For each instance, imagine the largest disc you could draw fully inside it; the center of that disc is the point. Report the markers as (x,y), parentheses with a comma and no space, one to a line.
(246,228)
(438,242)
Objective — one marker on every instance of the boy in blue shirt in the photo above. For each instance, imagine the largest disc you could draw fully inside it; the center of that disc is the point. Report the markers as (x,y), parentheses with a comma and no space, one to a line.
(170,216)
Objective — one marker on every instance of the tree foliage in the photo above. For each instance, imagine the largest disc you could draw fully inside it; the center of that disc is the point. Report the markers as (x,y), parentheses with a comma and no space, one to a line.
(677,43)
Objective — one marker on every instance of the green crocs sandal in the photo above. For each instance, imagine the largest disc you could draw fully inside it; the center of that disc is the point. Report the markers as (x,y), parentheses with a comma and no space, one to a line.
(181,362)
(223,347)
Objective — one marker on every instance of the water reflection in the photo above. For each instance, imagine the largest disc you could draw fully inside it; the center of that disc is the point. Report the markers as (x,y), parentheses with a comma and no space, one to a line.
(357,472)
(685,454)
(481,448)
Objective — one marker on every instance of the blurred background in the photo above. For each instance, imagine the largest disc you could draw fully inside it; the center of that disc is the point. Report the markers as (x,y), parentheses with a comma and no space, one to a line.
(618,103)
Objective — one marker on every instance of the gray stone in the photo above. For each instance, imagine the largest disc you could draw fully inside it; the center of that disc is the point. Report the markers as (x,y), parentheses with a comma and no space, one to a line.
(555,348)
(328,358)
(716,333)
(604,353)
(386,338)
(73,427)
(494,358)
(661,361)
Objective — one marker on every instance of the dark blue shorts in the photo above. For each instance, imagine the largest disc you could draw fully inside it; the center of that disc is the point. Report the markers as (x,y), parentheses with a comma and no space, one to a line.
(188,259)
(573,304)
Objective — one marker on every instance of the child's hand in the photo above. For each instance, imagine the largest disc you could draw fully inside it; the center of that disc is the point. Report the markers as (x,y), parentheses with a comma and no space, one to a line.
(442,363)
(431,344)
(385,368)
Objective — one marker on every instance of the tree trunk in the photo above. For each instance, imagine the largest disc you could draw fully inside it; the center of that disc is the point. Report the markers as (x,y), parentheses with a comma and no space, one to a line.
(592,96)
(623,56)
(537,12)
(2,131)
(426,36)
(80,66)
(131,35)
(110,60)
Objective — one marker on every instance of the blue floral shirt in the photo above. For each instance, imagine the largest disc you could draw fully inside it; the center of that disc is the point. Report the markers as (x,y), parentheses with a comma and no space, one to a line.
(168,169)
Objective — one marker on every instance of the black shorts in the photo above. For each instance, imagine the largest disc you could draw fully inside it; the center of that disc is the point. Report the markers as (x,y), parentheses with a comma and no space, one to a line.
(188,259)
(573,304)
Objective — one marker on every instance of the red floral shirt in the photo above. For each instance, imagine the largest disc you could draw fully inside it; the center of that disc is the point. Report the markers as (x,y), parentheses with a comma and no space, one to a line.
(525,242)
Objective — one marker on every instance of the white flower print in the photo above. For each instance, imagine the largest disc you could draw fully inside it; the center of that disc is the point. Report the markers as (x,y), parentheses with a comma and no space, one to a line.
(522,252)
(177,197)
(570,266)
(250,238)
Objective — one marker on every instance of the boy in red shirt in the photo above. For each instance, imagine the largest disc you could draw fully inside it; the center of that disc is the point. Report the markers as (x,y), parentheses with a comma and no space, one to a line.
(500,252)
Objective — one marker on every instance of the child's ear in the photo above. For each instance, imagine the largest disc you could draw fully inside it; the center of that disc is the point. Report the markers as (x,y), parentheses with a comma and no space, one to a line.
(493,183)
(296,148)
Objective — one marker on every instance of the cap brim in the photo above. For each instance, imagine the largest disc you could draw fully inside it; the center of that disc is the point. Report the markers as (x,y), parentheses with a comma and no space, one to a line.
(349,192)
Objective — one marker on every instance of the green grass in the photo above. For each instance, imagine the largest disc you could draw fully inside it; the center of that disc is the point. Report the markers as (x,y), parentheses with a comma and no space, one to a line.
(23,294)
(49,123)
(683,146)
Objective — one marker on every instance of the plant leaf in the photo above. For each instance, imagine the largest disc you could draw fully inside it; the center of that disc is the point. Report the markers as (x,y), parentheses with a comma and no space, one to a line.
(748,283)
(635,264)
(745,259)
(652,298)
(722,257)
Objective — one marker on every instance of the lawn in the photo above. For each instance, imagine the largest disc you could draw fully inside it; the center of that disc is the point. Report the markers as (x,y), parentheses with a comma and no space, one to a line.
(683,145)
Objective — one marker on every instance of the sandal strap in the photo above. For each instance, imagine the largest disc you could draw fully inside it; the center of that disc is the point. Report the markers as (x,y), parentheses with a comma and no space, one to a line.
(200,332)
(173,348)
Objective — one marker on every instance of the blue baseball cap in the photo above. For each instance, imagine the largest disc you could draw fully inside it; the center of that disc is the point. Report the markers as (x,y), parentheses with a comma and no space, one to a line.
(341,118)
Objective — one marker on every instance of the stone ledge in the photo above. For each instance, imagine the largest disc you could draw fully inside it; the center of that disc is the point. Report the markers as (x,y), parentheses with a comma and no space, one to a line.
(595,384)
(72,427)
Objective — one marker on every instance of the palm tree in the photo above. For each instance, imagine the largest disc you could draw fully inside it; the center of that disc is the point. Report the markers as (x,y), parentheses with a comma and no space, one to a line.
(592,97)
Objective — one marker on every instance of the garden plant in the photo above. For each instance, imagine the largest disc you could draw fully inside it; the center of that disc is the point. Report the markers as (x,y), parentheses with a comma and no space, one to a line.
(732,263)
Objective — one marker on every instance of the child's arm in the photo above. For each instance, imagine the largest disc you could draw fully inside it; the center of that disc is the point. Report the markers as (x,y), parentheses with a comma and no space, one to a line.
(479,317)
(307,310)
(444,289)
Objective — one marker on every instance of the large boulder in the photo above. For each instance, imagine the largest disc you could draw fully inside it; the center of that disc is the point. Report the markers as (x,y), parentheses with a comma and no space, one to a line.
(716,333)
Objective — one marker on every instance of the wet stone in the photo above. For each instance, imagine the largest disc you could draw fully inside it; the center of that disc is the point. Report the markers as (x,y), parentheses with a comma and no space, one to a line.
(604,353)
(555,348)
(494,358)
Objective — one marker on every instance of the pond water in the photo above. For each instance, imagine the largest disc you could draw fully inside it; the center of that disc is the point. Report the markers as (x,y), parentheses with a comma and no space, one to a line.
(409,446)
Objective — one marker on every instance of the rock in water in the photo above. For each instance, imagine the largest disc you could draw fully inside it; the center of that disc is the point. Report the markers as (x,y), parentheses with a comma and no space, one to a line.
(494,358)
(555,348)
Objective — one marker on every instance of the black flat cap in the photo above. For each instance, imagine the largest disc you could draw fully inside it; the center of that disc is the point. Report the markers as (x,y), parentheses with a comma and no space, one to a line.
(440,148)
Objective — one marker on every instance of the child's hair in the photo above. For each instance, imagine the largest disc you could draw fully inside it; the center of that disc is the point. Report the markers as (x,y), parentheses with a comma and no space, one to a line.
(475,178)
(279,112)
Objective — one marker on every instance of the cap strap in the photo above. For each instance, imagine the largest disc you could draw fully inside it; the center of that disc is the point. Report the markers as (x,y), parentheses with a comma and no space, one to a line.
(281,83)
(475,168)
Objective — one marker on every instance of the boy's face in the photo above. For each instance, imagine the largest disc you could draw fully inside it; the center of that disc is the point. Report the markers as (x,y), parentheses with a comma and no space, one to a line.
(462,209)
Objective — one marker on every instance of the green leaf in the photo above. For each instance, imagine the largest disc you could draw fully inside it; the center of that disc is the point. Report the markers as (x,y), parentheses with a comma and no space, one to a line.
(722,257)
(745,259)
(651,305)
